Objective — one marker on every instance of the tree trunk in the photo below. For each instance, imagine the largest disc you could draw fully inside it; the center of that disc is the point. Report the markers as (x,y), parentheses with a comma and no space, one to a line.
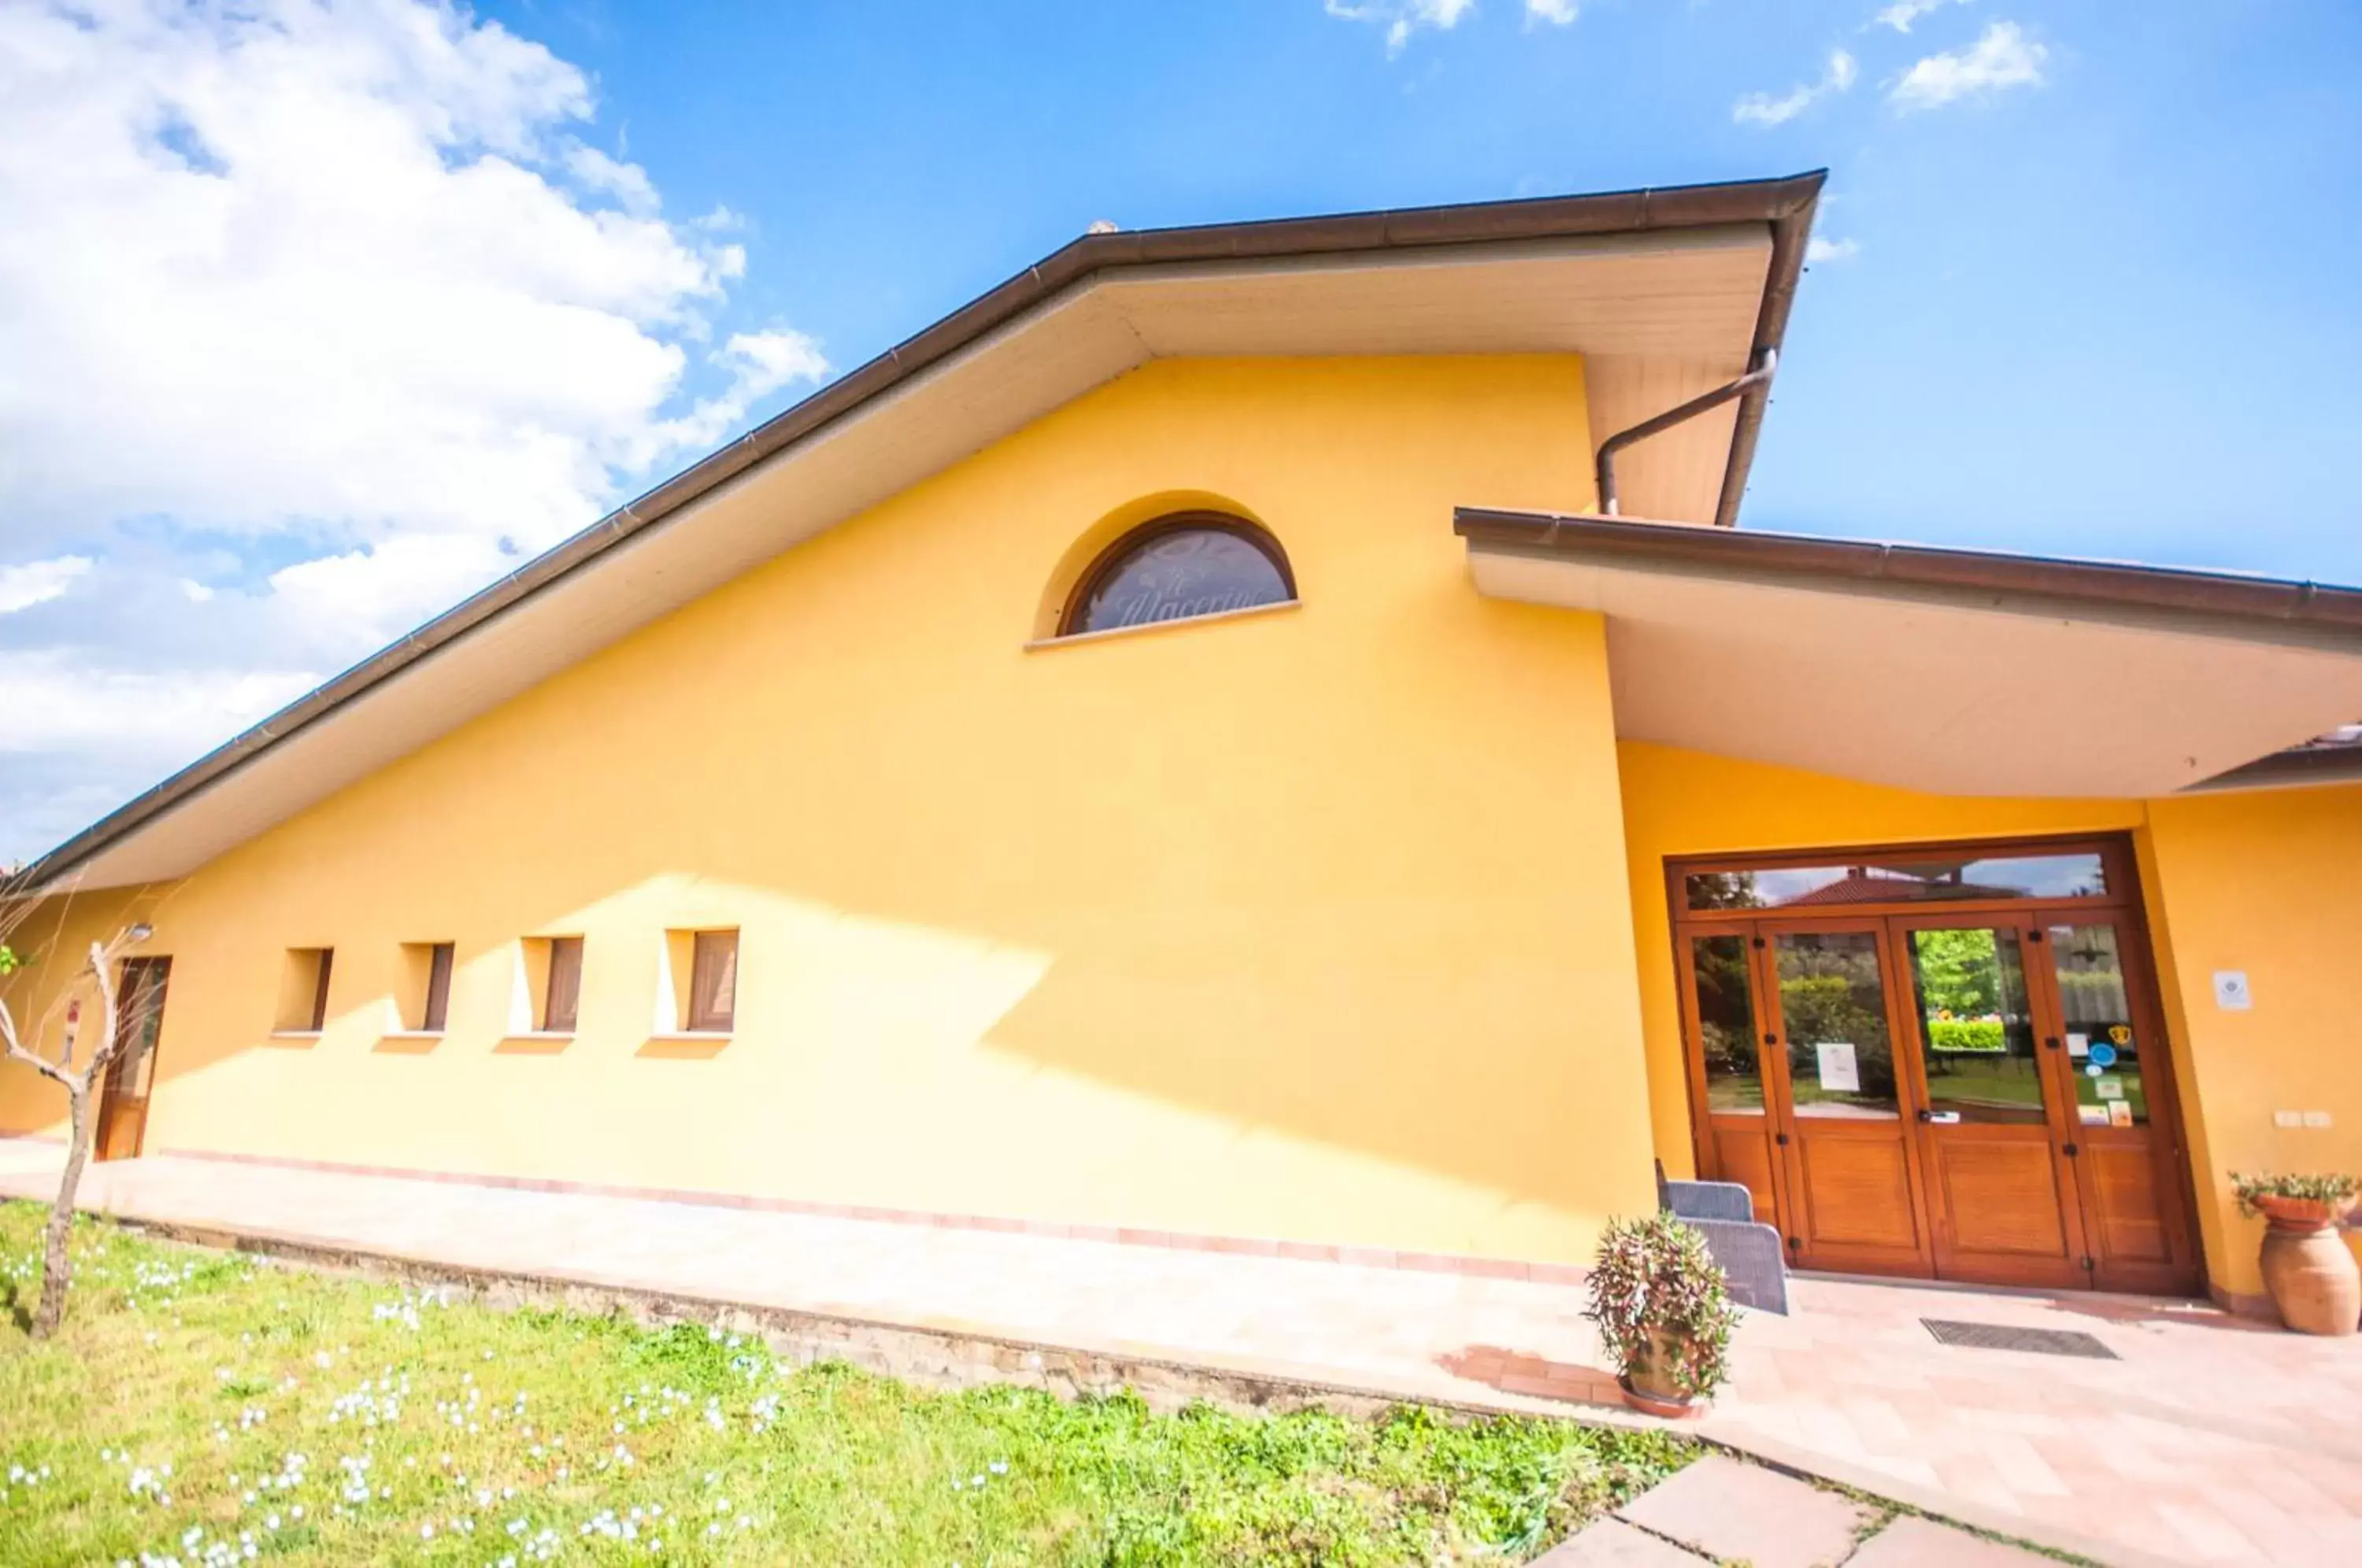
(57,1269)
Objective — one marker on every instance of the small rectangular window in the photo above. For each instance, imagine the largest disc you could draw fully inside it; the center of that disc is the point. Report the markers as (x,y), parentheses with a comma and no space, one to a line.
(562,986)
(438,1011)
(423,987)
(320,990)
(714,982)
(303,990)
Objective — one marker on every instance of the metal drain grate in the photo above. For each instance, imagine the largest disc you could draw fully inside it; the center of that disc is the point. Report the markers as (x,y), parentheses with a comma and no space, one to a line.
(1996,1336)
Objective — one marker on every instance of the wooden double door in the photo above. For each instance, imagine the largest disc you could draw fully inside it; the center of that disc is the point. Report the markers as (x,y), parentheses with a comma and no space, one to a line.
(1974,1094)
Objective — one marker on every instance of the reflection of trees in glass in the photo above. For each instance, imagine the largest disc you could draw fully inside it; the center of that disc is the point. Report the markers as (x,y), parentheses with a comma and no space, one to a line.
(1827,993)
(1724,890)
(1980,1061)
(1726,1024)
(1959,972)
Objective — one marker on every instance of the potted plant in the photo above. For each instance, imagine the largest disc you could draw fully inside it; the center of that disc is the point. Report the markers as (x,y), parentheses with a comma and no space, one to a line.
(2311,1274)
(1664,1313)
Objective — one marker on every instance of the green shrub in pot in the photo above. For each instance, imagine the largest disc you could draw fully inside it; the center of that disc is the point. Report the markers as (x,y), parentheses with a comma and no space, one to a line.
(1663,1310)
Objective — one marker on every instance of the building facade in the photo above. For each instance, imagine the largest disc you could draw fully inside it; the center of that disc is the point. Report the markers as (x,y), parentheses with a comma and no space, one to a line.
(1176,753)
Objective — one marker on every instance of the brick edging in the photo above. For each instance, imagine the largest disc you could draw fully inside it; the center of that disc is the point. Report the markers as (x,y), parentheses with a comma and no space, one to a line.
(1177,1240)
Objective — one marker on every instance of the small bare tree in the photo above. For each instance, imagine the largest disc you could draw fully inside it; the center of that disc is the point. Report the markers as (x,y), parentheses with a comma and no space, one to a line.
(99,976)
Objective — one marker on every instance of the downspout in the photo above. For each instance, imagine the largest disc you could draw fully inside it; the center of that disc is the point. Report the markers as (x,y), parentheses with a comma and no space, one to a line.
(1760,377)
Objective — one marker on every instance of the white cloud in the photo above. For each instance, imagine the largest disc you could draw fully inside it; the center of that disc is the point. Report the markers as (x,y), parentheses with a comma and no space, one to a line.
(627,182)
(314,314)
(1558,13)
(1819,249)
(2003,58)
(38,582)
(1902,12)
(1400,18)
(1762,109)
(163,718)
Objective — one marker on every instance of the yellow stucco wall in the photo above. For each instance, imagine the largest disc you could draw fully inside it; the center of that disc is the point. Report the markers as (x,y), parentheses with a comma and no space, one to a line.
(2269,884)
(1310,924)
(2259,881)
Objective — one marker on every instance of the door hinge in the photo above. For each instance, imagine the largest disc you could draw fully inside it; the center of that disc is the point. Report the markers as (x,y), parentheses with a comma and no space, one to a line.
(2090,1264)
(1795,1244)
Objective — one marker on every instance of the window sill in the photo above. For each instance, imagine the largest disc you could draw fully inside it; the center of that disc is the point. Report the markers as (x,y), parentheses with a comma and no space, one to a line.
(535,1043)
(408,1042)
(412,1034)
(295,1034)
(686,1045)
(1148,628)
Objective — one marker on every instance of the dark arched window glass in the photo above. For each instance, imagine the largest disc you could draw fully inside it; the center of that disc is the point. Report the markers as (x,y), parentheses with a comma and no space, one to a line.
(1198,563)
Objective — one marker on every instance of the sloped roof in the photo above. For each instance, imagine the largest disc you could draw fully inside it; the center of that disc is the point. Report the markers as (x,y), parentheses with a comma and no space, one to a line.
(1967,672)
(1485,277)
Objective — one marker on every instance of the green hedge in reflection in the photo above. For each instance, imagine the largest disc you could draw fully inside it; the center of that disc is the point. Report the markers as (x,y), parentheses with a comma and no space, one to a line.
(1983,1035)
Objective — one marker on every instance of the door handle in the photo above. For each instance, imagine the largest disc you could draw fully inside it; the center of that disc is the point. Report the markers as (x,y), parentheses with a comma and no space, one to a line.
(1926,1115)
(2050,1042)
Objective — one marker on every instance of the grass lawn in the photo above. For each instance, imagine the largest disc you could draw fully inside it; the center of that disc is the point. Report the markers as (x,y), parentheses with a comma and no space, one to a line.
(202,1408)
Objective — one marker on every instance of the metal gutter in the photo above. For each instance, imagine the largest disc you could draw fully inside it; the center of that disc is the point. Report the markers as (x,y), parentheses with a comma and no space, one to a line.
(2333,613)
(1610,499)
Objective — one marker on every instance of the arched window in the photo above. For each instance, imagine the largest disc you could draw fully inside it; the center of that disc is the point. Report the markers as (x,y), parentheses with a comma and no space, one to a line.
(1191,563)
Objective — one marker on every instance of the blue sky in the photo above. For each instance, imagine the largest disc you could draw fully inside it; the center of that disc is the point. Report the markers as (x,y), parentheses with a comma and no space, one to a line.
(319,315)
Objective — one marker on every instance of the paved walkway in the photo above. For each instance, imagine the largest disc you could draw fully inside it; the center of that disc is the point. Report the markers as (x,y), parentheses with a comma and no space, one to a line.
(1720,1511)
(2209,1440)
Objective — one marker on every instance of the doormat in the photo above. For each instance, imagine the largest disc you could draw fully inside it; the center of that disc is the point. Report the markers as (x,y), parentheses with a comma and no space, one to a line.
(1996,1336)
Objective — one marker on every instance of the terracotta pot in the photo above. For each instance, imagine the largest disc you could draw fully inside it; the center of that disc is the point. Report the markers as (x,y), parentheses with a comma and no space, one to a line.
(2304,1213)
(1648,1386)
(2311,1274)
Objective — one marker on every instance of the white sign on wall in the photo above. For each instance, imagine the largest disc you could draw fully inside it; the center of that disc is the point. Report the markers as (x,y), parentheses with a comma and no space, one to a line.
(2231,992)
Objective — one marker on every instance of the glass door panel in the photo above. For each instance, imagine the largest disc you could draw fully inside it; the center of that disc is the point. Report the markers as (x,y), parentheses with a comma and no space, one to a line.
(1832,1012)
(1978,1046)
(2103,1048)
(1735,1115)
(1725,1016)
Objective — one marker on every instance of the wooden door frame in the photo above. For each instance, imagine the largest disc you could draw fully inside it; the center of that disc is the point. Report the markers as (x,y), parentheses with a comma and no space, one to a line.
(1703,1132)
(2031,927)
(1769,927)
(2126,903)
(2143,996)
